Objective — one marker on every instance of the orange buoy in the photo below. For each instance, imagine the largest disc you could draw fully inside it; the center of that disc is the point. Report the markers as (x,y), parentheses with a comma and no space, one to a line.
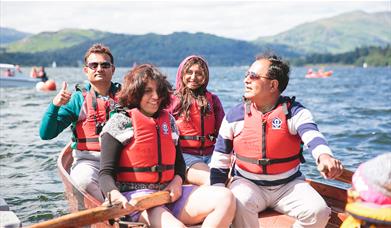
(50,85)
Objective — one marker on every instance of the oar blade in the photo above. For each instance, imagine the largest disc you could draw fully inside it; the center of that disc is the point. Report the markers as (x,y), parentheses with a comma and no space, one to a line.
(104,213)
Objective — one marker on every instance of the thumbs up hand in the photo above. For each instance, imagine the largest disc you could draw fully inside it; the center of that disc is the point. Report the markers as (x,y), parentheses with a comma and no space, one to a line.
(63,96)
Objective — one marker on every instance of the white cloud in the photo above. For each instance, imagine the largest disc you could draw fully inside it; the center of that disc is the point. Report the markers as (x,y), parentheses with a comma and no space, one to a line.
(241,20)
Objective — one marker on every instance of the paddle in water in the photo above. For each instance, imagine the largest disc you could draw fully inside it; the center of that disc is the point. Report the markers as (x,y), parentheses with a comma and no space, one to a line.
(103,213)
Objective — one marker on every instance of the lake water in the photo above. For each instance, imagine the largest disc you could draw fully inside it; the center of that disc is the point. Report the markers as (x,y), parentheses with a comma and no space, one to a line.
(352,109)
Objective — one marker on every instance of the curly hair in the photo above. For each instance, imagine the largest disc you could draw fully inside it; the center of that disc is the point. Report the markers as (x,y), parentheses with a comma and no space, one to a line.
(278,70)
(135,82)
(187,95)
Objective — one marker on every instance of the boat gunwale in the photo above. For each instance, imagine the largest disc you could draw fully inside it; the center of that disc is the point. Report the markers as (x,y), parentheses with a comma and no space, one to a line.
(77,198)
(267,217)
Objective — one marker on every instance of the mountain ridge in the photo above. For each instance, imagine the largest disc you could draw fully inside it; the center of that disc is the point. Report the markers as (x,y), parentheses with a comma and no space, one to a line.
(337,34)
(49,41)
(9,35)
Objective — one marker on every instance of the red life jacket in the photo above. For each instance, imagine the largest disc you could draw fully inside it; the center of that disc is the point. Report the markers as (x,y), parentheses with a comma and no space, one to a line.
(265,145)
(86,131)
(199,131)
(150,155)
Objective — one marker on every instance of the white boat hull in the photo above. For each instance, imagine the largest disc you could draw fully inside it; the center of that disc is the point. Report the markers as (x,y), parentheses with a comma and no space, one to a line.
(6,82)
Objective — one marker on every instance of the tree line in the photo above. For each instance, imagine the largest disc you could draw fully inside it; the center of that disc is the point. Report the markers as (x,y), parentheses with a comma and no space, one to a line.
(373,56)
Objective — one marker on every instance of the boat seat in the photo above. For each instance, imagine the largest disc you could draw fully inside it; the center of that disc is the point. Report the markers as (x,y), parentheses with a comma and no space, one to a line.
(271,218)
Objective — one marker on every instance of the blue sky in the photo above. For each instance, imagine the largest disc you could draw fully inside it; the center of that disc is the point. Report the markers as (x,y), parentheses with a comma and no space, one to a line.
(245,20)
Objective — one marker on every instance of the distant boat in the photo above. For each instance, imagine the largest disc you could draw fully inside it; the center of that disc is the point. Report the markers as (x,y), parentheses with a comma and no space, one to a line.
(318,74)
(12,76)
(54,64)
(364,65)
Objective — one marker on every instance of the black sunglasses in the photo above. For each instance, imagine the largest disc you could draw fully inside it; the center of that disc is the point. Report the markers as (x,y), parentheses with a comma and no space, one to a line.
(254,76)
(94,65)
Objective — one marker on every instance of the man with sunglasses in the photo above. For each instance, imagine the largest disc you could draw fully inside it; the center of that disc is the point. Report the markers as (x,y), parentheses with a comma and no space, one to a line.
(264,137)
(86,110)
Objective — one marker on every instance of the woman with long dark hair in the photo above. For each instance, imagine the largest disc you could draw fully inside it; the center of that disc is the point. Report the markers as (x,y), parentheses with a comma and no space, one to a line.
(198,114)
(140,155)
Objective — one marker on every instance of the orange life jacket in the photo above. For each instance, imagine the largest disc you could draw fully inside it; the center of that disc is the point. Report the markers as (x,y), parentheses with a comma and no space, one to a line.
(199,131)
(150,155)
(265,145)
(87,129)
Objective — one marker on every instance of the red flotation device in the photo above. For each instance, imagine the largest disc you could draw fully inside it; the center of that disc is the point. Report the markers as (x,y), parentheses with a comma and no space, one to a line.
(49,85)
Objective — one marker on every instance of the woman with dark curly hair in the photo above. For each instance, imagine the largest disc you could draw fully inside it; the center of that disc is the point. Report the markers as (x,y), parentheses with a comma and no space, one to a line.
(140,155)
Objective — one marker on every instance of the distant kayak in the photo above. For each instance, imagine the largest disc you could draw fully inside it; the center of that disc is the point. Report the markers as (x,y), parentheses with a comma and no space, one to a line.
(319,74)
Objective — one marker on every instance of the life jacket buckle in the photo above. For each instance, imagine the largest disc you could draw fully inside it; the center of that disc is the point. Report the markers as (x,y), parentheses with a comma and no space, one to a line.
(201,138)
(98,128)
(263,161)
(211,137)
(157,168)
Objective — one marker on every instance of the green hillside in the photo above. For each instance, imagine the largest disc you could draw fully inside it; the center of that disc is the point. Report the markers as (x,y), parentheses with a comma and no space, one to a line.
(168,50)
(48,41)
(337,34)
(162,50)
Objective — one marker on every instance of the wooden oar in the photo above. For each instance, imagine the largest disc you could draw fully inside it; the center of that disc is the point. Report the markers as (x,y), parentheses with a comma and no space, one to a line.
(103,213)
(345,177)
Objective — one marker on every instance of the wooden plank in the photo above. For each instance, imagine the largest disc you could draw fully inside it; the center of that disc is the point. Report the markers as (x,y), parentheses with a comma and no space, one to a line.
(271,218)
(345,177)
(103,213)
(329,191)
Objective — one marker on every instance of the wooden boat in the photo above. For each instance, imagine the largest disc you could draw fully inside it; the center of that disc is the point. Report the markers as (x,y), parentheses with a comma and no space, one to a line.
(78,200)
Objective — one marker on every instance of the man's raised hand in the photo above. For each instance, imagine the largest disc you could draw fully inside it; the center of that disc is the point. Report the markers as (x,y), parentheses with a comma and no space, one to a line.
(63,96)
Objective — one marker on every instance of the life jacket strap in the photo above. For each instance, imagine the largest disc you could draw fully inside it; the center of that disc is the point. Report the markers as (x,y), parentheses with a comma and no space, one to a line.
(248,107)
(155,168)
(127,186)
(198,137)
(267,161)
(84,140)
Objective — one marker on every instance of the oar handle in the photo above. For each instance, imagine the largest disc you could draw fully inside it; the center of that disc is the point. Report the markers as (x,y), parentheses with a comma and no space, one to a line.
(104,213)
(345,177)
